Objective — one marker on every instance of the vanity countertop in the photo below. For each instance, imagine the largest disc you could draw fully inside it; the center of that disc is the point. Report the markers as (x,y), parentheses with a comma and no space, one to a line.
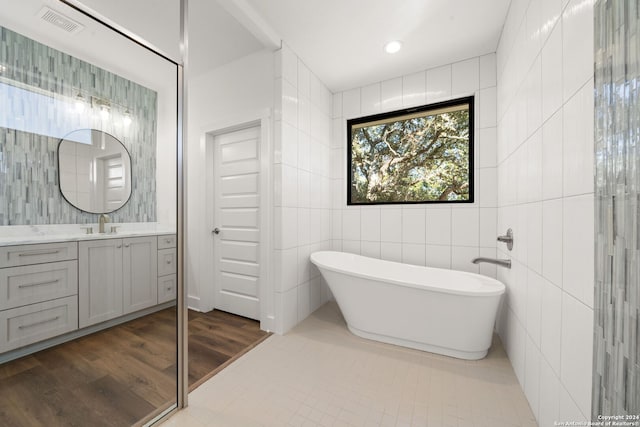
(52,233)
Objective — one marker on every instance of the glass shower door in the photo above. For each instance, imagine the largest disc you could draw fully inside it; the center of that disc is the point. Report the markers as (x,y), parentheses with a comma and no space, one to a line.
(89,131)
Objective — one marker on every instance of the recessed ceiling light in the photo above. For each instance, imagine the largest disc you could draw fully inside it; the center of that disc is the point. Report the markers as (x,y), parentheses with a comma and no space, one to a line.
(393,46)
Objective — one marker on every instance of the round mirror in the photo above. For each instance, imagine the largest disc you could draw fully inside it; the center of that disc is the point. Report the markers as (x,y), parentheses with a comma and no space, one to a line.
(94,171)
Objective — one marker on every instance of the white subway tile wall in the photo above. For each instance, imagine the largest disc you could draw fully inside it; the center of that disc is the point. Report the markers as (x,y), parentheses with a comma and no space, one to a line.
(302,188)
(545,193)
(428,234)
(534,173)
(439,83)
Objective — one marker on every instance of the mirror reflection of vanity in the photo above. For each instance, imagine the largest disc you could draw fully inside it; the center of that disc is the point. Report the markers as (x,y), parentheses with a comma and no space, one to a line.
(61,286)
(94,171)
(66,286)
(88,127)
(73,153)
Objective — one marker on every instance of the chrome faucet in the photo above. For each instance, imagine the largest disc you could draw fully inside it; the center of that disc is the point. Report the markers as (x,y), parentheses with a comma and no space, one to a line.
(501,262)
(101,221)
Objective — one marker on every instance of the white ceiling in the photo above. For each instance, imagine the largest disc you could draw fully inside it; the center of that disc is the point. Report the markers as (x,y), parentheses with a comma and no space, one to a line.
(342,40)
(156,21)
(94,44)
(215,37)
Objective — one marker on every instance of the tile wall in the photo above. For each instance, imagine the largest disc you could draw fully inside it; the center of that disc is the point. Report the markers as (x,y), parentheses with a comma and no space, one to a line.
(545,194)
(616,382)
(30,193)
(302,188)
(438,235)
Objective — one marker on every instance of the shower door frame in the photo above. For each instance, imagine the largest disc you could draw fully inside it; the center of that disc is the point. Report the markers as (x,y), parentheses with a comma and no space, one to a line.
(182,390)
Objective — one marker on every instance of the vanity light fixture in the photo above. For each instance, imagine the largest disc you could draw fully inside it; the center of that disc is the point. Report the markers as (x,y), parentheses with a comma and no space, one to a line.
(126,120)
(80,103)
(393,46)
(104,111)
(103,105)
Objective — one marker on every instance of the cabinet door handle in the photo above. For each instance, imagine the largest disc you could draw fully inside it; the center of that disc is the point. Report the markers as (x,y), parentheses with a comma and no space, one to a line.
(169,261)
(39,253)
(126,246)
(53,319)
(118,247)
(168,240)
(29,285)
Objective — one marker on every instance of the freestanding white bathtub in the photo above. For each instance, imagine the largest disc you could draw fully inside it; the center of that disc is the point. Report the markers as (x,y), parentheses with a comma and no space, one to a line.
(432,309)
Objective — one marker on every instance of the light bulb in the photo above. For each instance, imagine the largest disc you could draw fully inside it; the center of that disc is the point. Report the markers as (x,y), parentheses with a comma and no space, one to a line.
(80,104)
(104,112)
(126,120)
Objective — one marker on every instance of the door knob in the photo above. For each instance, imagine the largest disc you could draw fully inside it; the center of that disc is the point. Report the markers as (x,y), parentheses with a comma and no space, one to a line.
(216,230)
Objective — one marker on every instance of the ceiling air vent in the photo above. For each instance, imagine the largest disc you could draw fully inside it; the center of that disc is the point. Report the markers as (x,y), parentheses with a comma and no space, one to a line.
(60,21)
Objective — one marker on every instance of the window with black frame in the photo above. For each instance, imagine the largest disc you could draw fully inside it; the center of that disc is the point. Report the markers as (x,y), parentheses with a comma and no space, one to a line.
(416,155)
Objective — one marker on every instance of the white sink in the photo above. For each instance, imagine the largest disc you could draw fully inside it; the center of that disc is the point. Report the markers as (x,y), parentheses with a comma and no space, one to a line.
(23,234)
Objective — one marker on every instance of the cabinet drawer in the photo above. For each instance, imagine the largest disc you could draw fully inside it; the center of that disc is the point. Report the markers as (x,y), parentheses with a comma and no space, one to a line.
(166,262)
(167,241)
(36,283)
(167,286)
(36,322)
(13,256)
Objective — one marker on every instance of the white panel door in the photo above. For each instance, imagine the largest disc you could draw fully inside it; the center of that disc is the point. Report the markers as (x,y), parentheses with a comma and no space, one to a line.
(114,182)
(237,219)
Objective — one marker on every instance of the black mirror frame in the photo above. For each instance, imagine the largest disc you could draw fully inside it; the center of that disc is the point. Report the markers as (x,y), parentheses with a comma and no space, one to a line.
(58,174)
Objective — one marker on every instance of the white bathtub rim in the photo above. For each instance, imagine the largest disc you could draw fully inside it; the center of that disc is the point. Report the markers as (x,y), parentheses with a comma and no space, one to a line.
(494,287)
(458,354)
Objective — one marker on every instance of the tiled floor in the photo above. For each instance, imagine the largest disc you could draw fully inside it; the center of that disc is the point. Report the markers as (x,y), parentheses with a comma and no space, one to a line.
(321,375)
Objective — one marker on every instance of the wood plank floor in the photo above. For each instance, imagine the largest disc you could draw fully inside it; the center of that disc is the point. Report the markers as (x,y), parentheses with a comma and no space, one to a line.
(119,376)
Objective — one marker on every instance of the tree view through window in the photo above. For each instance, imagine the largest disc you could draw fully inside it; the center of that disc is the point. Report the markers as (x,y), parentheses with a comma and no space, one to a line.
(417,155)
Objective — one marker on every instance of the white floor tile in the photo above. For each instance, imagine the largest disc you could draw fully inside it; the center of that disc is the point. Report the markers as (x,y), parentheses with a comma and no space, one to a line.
(319,374)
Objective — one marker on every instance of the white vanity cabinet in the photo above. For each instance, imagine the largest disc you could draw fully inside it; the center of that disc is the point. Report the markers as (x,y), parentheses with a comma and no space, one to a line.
(140,280)
(38,293)
(56,291)
(99,281)
(116,277)
(167,265)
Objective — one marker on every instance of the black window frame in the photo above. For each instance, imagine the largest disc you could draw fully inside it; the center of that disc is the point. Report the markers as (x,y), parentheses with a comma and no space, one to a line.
(469,100)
